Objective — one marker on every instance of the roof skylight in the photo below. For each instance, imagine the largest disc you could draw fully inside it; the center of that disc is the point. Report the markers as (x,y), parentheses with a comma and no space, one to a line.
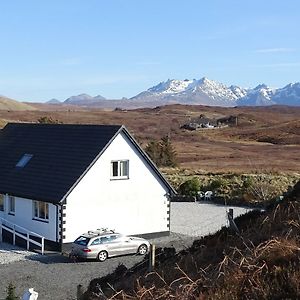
(24,160)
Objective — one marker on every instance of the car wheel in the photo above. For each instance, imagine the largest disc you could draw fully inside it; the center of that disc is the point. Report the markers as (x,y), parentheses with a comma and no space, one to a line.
(142,249)
(102,256)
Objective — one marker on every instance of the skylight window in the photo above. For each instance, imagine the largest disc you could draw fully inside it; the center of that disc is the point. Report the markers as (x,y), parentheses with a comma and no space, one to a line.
(24,160)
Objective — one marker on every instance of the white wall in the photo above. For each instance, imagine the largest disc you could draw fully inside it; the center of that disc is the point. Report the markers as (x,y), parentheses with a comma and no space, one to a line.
(24,217)
(137,205)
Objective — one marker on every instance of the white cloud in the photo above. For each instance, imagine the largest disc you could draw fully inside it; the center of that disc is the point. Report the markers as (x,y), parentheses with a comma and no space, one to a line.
(275,50)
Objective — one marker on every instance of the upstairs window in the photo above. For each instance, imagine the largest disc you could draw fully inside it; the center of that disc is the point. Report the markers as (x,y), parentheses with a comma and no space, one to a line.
(40,211)
(120,169)
(24,160)
(11,205)
(1,202)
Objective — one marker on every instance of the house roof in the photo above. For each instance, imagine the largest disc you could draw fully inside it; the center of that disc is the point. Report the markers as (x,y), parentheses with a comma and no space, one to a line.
(56,156)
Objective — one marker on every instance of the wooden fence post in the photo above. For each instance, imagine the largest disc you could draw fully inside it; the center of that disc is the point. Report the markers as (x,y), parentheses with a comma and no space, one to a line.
(152,258)
(79,292)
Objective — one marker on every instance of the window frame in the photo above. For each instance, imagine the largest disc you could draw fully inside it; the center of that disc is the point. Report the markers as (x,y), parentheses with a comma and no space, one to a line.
(11,205)
(120,169)
(36,211)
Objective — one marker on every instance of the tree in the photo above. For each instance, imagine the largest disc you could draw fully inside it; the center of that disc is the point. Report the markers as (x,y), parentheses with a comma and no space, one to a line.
(48,120)
(162,152)
(11,292)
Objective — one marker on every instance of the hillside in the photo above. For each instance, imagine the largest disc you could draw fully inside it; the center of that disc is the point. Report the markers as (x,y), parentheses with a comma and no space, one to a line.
(13,105)
(266,138)
(261,262)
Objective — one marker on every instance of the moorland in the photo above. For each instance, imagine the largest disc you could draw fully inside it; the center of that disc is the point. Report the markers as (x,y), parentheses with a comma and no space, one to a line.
(265,139)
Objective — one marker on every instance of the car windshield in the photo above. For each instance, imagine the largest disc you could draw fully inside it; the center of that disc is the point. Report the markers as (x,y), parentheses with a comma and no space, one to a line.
(82,240)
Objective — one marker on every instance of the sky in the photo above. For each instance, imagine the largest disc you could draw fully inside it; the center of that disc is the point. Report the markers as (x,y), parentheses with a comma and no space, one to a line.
(118,48)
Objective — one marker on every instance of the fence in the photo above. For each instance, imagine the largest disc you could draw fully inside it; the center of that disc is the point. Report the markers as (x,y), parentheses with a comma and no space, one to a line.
(21,232)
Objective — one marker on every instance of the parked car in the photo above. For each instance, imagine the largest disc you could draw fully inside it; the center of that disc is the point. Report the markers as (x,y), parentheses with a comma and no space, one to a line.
(101,245)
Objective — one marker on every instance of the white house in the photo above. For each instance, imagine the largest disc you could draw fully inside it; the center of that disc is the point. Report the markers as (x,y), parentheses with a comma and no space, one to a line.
(62,180)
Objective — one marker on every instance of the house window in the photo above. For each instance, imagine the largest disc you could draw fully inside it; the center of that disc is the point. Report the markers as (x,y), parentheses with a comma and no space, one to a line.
(1,202)
(11,205)
(40,210)
(120,169)
(24,160)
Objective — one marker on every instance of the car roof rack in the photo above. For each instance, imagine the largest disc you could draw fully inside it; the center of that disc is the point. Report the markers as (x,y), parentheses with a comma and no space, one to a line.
(99,231)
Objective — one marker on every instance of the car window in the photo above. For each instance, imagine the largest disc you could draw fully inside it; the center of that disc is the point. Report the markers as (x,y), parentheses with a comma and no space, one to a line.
(96,242)
(82,240)
(113,237)
(105,239)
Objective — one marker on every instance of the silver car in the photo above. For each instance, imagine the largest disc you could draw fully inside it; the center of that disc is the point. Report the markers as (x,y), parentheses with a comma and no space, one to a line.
(101,245)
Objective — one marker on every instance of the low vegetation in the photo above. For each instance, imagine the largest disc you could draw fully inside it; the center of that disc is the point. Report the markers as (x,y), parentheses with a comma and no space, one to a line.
(262,262)
(236,189)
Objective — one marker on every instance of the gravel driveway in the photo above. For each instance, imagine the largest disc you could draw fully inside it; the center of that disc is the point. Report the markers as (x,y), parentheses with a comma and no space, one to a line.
(54,277)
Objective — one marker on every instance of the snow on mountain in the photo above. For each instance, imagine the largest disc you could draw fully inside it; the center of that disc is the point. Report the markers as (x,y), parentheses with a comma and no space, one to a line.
(259,96)
(288,95)
(209,92)
(202,91)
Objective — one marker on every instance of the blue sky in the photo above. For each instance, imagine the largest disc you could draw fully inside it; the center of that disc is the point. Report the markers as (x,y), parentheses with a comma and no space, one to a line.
(58,48)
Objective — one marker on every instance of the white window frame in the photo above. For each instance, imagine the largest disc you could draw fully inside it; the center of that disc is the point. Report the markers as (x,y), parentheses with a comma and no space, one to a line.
(11,205)
(120,174)
(2,201)
(36,211)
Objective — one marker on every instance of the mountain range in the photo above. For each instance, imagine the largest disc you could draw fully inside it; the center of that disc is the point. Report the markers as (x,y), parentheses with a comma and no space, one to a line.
(203,91)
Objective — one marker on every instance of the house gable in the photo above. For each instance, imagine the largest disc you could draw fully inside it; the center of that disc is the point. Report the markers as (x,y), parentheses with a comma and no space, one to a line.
(133,204)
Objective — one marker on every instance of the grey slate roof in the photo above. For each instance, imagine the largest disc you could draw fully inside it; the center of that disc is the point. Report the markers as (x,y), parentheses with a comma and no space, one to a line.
(61,154)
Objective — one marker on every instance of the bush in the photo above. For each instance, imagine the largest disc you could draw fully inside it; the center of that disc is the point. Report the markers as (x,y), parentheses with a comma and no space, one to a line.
(190,187)
(11,292)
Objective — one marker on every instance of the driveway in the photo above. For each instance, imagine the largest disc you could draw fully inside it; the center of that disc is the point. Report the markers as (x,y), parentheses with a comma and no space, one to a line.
(55,277)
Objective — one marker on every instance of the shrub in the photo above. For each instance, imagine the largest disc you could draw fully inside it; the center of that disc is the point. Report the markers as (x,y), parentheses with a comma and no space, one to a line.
(11,292)
(48,120)
(190,187)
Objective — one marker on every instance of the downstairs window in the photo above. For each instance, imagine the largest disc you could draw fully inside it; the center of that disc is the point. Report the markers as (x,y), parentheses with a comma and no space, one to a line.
(40,210)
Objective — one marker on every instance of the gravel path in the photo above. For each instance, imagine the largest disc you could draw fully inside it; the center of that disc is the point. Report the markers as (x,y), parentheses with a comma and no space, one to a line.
(55,277)
(200,218)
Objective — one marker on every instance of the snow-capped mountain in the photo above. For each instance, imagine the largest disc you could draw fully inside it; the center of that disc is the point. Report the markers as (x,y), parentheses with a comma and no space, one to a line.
(202,91)
(290,92)
(210,92)
(197,91)
(259,96)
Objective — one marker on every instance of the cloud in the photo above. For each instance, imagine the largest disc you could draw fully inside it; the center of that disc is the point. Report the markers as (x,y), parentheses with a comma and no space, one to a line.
(275,50)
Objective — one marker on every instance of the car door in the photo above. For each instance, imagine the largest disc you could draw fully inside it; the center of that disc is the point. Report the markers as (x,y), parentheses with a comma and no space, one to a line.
(114,245)
(128,245)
